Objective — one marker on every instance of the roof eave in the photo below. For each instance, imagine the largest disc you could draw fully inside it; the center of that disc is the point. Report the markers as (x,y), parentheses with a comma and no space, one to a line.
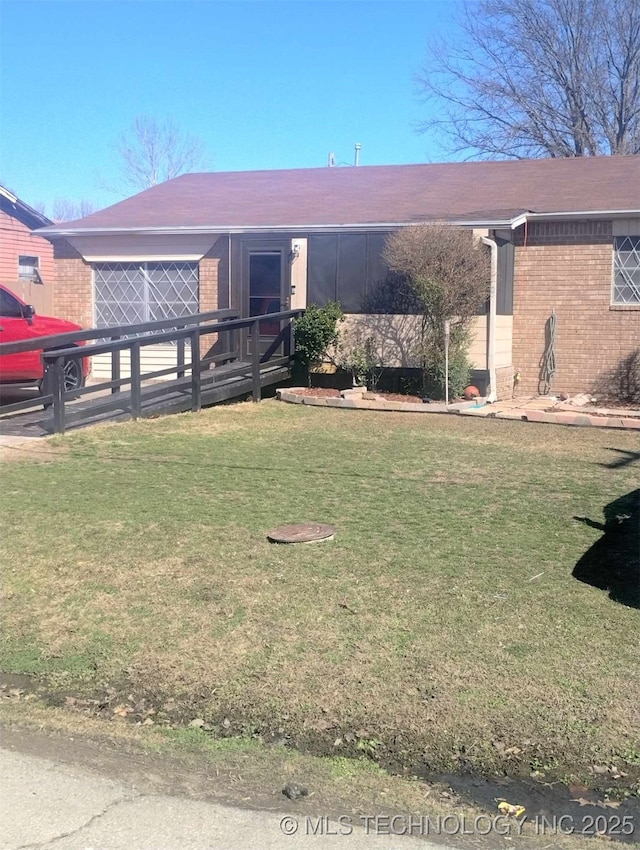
(519,220)
(189,230)
(23,212)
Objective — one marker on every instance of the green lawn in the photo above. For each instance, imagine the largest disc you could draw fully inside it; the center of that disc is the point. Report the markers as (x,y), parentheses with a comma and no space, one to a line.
(443,622)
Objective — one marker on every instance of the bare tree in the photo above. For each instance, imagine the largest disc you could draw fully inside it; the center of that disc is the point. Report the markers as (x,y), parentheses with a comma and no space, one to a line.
(151,152)
(558,78)
(65,210)
(449,273)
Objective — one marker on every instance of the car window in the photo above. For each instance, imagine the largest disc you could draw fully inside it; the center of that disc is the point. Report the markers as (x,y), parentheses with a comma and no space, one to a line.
(9,306)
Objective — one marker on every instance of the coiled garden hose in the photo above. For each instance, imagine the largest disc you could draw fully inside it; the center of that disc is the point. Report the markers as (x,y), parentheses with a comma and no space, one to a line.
(549,358)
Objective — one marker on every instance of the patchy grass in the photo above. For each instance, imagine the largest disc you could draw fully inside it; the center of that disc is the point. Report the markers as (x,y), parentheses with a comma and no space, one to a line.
(442,628)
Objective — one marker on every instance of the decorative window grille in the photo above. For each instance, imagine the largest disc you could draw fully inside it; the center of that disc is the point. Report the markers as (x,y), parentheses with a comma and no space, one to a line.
(29,268)
(626,270)
(131,293)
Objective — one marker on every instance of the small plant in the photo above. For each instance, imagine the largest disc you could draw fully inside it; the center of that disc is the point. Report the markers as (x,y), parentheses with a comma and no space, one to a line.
(363,361)
(370,747)
(434,371)
(316,331)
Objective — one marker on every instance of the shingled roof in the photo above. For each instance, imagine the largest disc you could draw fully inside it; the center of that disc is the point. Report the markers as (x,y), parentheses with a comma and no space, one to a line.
(473,192)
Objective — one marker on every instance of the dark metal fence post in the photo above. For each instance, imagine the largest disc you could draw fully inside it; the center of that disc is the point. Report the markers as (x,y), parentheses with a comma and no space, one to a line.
(180,373)
(196,389)
(47,377)
(136,388)
(57,387)
(255,359)
(115,365)
(288,338)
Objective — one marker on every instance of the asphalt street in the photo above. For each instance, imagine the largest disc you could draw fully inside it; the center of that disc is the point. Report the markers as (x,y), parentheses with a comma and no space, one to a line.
(45,805)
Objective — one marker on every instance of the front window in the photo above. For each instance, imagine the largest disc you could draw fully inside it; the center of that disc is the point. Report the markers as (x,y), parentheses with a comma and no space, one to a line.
(29,268)
(626,270)
(132,293)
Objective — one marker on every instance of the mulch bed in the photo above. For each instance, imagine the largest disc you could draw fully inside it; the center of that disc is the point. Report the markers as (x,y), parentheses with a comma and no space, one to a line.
(326,392)
(318,392)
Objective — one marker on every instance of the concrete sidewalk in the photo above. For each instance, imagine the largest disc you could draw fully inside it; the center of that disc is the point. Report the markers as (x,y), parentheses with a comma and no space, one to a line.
(544,409)
(51,806)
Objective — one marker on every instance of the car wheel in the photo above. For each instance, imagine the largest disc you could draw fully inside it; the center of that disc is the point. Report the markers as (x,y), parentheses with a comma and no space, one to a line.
(73,377)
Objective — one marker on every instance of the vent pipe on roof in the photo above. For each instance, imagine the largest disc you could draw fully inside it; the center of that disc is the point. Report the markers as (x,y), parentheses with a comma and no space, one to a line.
(332,160)
(356,160)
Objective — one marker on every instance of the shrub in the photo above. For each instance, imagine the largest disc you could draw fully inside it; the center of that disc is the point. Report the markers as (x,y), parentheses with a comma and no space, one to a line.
(316,331)
(362,360)
(449,273)
(435,373)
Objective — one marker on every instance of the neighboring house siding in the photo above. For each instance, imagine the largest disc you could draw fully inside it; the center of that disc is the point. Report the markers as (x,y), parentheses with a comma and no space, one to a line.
(16,240)
(568,266)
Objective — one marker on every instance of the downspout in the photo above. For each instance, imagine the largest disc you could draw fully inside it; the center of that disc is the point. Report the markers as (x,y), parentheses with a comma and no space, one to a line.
(491,330)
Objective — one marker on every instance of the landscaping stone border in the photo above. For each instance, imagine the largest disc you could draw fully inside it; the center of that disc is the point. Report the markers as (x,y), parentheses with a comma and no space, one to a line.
(353,399)
(523,411)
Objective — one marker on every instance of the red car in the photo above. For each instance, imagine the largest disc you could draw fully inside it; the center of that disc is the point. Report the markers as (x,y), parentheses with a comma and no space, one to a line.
(19,321)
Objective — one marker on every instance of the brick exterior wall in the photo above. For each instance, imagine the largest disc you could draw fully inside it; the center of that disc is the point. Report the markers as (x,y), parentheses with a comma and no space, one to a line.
(569,266)
(213,274)
(73,292)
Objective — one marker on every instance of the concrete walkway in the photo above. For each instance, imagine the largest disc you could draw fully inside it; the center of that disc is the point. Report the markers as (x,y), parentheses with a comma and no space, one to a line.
(545,409)
(51,806)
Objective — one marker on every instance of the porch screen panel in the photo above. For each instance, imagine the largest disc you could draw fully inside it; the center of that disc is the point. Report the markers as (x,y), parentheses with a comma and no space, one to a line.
(322,268)
(352,272)
(377,269)
(131,293)
(506,259)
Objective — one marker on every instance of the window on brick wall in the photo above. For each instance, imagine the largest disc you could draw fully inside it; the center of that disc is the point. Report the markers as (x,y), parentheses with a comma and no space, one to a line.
(626,270)
(130,293)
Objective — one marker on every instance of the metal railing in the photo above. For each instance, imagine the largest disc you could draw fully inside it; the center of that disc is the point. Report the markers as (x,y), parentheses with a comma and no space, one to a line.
(192,376)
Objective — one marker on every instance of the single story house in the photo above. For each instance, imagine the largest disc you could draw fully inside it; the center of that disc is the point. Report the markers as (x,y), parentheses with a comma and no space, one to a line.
(564,236)
(26,260)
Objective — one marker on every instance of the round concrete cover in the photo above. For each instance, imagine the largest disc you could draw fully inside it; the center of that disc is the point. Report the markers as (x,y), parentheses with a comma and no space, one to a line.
(304,532)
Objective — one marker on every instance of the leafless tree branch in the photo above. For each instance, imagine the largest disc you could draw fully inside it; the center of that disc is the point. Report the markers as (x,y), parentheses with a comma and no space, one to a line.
(558,78)
(151,152)
(65,210)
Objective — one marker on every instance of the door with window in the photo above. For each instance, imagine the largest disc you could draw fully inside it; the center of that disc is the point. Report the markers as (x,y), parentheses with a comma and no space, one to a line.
(266,288)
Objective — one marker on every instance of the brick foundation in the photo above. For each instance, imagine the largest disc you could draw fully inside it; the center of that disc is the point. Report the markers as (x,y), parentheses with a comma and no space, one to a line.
(568,266)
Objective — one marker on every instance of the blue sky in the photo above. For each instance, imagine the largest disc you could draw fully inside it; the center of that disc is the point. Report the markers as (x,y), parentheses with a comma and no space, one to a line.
(263,84)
